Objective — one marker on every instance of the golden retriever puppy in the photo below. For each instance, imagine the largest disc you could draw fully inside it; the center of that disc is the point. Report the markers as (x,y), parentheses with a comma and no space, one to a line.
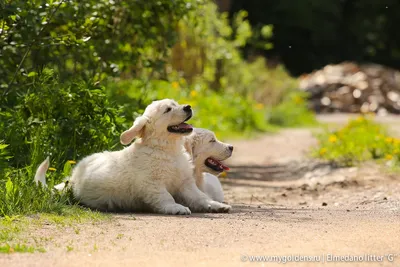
(207,152)
(150,174)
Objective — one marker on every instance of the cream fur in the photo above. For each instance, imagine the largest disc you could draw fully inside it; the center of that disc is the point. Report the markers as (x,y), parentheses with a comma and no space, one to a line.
(149,174)
(202,144)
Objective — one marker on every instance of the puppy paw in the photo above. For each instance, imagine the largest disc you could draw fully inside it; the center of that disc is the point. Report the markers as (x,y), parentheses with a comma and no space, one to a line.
(215,206)
(176,209)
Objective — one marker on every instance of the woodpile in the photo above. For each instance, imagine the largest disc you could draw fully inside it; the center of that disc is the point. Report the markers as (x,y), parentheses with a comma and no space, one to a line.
(348,87)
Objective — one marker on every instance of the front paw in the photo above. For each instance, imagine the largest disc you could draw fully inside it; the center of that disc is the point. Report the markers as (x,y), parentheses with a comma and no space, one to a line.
(218,207)
(176,209)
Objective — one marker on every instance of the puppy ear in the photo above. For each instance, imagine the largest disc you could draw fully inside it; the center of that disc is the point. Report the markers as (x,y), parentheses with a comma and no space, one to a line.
(135,131)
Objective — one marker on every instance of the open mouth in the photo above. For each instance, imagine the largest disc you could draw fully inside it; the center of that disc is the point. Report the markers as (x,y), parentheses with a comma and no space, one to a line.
(215,165)
(181,128)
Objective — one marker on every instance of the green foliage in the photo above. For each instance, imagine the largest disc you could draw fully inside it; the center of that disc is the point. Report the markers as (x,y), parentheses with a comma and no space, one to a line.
(224,113)
(292,112)
(20,195)
(208,51)
(361,139)
(91,39)
(65,121)
(4,157)
(310,34)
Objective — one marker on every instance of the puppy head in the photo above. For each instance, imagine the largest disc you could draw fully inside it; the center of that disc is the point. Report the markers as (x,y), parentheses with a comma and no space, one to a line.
(207,152)
(163,119)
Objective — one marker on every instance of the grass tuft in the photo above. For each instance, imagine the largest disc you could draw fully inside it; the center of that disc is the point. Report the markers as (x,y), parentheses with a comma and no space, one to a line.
(360,140)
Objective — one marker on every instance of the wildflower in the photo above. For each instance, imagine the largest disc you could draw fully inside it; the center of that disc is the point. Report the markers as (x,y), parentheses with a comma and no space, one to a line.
(52,169)
(193,93)
(360,119)
(259,106)
(182,81)
(71,161)
(298,100)
(389,140)
(175,85)
(322,151)
(332,139)
(388,157)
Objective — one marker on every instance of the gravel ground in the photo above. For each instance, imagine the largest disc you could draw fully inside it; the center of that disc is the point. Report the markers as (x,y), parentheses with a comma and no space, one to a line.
(283,204)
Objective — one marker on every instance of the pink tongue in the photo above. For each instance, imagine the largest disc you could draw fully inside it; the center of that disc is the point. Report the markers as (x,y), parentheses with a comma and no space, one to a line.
(185,126)
(226,168)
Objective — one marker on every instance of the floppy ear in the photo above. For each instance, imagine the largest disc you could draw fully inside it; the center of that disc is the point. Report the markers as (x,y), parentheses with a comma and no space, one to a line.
(135,131)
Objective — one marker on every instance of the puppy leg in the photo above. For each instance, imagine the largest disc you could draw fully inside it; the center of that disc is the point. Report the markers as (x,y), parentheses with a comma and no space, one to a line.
(199,201)
(161,201)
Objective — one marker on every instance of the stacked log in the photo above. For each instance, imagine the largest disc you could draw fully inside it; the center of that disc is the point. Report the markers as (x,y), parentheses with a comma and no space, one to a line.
(349,87)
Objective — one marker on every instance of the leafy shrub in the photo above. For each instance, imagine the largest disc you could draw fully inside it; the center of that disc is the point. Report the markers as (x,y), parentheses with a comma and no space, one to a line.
(361,139)
(92,39)
(207,70)
(224,113)
(209,52)
(292,112)
(4,157)
(65,121)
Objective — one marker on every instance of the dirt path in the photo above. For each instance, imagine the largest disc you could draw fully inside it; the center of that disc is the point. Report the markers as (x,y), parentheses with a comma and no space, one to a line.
(283,205)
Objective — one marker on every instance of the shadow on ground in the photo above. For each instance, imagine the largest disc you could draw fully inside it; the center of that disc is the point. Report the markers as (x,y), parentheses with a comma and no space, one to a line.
(275,172)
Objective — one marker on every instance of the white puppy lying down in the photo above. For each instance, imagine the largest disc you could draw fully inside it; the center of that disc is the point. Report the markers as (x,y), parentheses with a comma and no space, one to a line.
(150,174)
(207,153)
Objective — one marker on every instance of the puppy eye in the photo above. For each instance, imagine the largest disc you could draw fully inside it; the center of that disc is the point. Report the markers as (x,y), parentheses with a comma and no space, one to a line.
(213,140)
(167,110)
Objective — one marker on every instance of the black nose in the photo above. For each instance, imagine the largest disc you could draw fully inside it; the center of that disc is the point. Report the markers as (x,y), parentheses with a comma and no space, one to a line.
(230,148)
(187,108)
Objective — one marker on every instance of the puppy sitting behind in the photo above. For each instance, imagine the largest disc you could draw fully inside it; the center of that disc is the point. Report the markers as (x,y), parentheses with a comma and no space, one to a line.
(147,175)
(207,153)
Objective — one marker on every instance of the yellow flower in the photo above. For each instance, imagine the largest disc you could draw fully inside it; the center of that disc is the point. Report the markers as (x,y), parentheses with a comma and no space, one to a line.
(193,93)
(223,174)
(259,106)
(388,157)
(332,138)
(175,85)
(322,151)
(388,140)
(72,161)
(298,100)
(360,119)
(52,169)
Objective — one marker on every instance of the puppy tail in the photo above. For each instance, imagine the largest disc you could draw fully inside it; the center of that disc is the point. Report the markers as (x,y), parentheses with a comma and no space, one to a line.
(40,175)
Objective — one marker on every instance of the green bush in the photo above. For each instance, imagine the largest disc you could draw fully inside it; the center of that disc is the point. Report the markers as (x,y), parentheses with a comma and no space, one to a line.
(360,140)
(292,112)
(4,157)
(92,39)
(65,122)
(224,113)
